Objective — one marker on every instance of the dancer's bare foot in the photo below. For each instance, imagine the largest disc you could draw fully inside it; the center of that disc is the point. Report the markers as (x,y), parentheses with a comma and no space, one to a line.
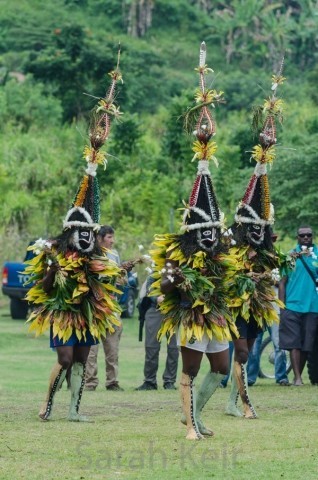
(202,429)
(193,435)
(249,411)
(298,382)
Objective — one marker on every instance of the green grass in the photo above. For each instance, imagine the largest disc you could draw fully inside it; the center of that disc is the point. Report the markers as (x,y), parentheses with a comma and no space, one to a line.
(138,434)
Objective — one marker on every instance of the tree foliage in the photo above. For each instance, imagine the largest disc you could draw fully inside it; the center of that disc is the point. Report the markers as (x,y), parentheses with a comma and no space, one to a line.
(50,56)
(27,105)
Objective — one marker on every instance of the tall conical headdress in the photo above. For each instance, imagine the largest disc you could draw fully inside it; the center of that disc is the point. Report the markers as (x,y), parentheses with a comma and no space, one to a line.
(255,207)
(203,210)
(85,209)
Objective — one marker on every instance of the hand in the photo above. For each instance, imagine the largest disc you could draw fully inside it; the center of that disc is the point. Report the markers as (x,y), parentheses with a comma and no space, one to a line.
(254,276)
(49,277)
(178,275)
(121,281)
(54,267)
(128,266)
(160,299)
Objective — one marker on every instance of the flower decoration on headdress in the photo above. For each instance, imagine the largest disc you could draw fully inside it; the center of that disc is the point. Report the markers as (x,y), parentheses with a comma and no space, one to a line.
(203,210)
(255,207)
(85,209)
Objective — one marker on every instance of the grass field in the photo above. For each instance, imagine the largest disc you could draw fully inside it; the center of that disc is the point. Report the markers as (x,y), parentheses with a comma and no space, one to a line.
(138,435)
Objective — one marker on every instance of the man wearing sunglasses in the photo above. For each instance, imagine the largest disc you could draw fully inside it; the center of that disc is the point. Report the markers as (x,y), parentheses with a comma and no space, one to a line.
(299,292)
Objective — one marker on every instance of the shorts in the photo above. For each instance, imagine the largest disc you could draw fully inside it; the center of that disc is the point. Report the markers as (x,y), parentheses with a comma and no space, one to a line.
(248,330)
(205,345)
(72,341)
(297,330)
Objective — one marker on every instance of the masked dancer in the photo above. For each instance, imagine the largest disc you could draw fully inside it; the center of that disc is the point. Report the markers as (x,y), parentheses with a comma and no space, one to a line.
(250,280)
(190,273)
(73,279)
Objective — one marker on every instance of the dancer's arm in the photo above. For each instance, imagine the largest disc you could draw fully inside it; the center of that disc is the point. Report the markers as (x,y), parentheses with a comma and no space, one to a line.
(48,279)
(172,277)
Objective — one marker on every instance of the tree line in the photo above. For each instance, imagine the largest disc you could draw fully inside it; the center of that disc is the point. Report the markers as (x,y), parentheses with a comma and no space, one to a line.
(50,58)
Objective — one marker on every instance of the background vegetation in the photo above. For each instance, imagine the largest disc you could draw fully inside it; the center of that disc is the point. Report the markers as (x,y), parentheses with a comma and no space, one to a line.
(50,56)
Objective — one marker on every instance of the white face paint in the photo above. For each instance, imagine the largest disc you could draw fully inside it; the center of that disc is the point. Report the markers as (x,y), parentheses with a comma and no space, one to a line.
(255,234)
(83,240)
(207,238)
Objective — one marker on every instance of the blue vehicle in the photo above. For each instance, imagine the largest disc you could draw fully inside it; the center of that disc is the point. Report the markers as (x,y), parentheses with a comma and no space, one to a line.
(13,280)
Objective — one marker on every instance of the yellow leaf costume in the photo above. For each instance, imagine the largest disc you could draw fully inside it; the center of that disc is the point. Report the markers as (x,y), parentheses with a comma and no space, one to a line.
(249,282)
(207,311)
(82,299)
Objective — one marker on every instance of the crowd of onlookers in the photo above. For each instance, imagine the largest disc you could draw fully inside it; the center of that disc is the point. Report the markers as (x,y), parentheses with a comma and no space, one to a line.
(295,333)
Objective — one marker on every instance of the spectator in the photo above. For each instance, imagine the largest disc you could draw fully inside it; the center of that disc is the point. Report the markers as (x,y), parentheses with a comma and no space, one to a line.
(254,356)
(253,365)
(298,290)
(106,239)
(153,319)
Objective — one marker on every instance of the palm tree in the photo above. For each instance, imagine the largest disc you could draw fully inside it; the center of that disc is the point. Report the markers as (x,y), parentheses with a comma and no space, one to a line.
(139,16)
